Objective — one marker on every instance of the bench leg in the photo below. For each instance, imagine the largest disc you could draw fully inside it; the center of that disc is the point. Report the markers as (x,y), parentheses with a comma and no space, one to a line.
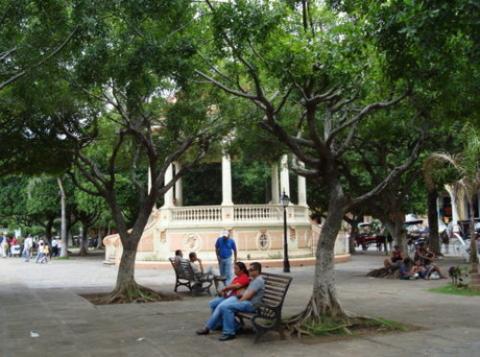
(259,333)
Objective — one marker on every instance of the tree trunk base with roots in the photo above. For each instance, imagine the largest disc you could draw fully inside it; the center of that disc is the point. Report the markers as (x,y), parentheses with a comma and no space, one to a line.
(386,273)
(134,293)
(475,280)
(315,313)
(83,252)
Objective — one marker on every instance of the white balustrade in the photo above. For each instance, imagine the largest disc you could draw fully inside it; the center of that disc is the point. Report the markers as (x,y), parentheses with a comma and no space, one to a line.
(249,213)
(197,214)
(241,213)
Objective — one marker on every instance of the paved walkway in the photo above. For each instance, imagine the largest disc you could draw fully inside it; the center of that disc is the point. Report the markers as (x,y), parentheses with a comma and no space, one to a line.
(43,300)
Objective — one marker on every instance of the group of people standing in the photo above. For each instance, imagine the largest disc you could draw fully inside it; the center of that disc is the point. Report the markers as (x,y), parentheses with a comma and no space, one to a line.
(9,246)
(26,247)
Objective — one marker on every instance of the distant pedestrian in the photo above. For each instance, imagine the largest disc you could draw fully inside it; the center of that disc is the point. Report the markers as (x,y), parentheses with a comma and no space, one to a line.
(225,247)
(42,252)
(55,252)
(4,246)
(27,248)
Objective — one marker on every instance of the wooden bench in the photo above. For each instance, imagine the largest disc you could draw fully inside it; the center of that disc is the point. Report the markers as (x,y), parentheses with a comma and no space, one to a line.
(269,314)
(185,276)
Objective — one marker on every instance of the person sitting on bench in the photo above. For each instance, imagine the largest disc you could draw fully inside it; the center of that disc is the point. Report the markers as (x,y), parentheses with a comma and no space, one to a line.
(178,256)
(224,313)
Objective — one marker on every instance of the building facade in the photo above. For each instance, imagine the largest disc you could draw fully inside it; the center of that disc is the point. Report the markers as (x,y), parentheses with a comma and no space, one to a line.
(258,229)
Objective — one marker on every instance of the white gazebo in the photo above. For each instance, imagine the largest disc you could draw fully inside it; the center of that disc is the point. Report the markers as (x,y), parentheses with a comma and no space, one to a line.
(257,228)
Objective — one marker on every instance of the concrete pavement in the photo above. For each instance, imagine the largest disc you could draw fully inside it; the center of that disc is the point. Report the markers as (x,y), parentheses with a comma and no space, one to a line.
(44,300)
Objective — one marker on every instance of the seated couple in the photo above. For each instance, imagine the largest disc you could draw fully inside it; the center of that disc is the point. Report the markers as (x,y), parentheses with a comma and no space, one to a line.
(243,294)
(195,262)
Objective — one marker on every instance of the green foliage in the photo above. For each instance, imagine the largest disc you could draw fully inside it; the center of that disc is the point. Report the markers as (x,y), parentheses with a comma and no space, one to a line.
(454,290)
(33,37)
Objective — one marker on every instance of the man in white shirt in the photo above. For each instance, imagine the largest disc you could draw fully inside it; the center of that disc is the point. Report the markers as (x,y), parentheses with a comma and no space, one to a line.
(27,248)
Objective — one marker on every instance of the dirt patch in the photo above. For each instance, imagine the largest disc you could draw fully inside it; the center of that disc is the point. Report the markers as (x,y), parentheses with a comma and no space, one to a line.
(102,298)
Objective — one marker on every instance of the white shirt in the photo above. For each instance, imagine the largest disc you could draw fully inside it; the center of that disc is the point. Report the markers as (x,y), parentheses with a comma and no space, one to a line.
(28,242)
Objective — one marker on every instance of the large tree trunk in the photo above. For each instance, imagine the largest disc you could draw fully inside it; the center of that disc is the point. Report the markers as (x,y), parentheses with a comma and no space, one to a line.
(63,229)
(474,275)
(126,269)
(48,231)
(353,235)
(84,241)
(434,240)
(324,301)
(396,226)
(473,241)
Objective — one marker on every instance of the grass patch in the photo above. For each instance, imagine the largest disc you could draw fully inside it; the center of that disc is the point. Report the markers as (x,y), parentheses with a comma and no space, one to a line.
(359,326)
(454,290)
(63,258)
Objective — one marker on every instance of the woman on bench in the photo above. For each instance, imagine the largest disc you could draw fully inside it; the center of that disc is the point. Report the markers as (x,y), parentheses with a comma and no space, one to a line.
(229,293)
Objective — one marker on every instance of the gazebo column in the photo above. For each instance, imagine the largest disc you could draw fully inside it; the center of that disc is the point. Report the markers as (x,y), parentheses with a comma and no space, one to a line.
(168,196)
(226,180)
(227,202)
(178,187)
(275,185)
(284,176)
(302,189)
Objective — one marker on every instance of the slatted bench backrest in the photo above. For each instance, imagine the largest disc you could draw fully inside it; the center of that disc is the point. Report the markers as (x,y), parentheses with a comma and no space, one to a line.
(183,270)
(276,287)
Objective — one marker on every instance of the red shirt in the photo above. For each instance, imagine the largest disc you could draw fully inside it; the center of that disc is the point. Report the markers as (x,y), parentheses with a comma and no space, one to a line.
(243,280)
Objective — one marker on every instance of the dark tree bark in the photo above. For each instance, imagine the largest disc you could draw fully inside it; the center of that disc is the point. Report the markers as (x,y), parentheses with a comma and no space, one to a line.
(434,239)
(353,222)
(48,230)
(473,241)
(395,224)
(84,240)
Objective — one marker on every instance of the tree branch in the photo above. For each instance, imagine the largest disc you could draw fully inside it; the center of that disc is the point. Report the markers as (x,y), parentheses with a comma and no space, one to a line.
(366,110)
(22,73)
(393,175)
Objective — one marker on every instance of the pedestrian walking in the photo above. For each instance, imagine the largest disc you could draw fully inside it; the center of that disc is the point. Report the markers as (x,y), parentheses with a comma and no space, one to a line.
(27,248)
(225,248)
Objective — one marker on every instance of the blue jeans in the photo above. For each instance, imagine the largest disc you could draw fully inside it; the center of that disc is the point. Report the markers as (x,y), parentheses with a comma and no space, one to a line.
(230,325)
(215,320)
(226,268)
(27,254)
(39,257)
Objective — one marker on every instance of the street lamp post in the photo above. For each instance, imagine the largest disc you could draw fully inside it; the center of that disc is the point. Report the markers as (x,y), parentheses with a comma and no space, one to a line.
(285,200)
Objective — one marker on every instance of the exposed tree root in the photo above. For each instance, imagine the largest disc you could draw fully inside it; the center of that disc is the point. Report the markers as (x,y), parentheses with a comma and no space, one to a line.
(83,252)
(310,323)
(134,292)
(386,273)
(315,314)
